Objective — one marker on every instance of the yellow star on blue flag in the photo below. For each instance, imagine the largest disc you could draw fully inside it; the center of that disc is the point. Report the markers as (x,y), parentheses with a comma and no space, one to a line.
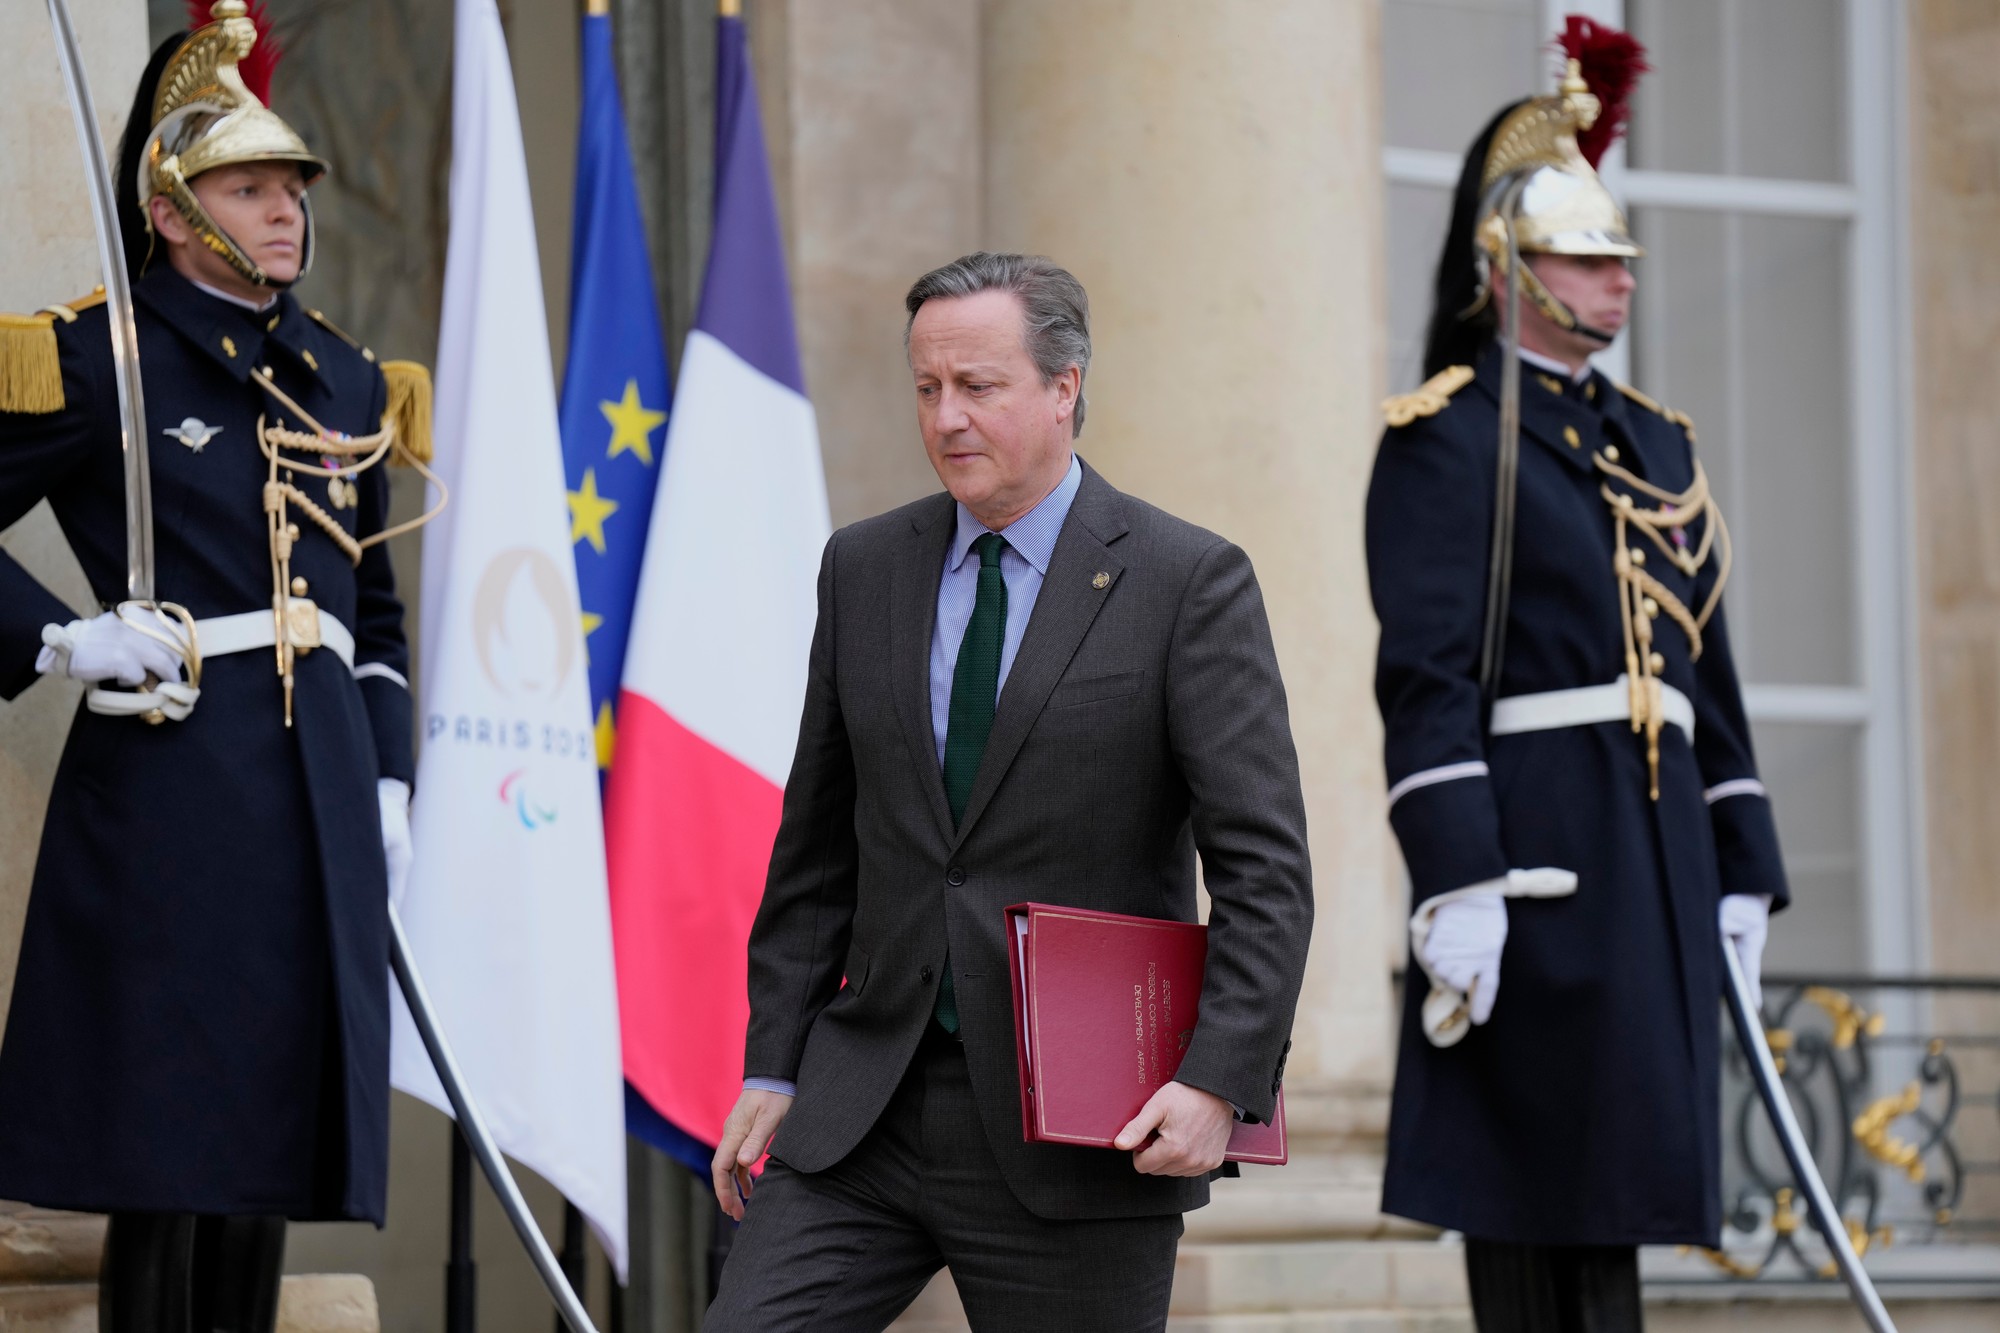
(632,424)
(616,393)
(587,512)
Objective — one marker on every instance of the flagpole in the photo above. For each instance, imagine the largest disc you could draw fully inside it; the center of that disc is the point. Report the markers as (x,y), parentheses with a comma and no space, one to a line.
(574,1257)
(461,1274)
(472,1127)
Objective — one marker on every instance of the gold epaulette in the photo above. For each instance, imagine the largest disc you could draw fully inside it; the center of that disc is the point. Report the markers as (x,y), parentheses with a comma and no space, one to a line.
(1428,399)
(339,333)
(1681,419)
(409,410)
(67,311)
(30,362)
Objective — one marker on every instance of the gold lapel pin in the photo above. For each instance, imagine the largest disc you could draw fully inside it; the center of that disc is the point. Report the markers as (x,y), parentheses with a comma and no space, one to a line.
(1100,580)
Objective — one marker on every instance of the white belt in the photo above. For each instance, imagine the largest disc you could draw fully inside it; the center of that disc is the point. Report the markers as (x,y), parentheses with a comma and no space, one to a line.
(1581,707)
(214,637)
(219,635)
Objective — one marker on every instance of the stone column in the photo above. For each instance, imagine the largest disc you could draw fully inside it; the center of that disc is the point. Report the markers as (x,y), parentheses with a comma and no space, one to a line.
(1212,173)
(1955,191)
(50,255)
(1954,142)
(874,127)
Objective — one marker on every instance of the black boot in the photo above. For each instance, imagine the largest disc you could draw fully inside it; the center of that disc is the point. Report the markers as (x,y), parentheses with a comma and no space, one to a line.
(144,1282)
(238,1262)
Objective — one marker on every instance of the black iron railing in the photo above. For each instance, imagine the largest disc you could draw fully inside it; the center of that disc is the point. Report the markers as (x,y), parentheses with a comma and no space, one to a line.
(1896,1083)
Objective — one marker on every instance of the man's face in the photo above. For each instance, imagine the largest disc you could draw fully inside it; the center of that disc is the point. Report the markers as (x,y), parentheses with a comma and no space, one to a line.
(1596,288)
(258,204)
(998,437)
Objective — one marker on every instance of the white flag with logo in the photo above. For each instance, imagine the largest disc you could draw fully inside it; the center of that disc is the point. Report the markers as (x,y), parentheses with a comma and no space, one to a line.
(507,910)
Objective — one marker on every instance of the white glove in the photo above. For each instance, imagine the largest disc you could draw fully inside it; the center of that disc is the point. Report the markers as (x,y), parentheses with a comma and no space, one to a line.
(108,648)
(394,797)
(1463,949)
(1746,920)
(1458,937)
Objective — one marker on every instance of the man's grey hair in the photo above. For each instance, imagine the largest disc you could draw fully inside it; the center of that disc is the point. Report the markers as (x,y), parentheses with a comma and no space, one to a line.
(1056,326)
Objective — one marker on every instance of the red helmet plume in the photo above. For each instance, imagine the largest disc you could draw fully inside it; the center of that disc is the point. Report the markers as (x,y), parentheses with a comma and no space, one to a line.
(1612,61)
(263,59)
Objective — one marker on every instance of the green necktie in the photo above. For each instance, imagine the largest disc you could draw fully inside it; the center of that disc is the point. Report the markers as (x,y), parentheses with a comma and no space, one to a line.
(975,689)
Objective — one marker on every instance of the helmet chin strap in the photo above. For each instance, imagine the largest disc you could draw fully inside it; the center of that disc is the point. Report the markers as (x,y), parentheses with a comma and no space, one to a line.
(1558,313)
(211,235)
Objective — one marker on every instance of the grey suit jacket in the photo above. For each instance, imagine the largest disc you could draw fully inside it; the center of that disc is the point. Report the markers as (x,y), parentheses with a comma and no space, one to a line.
(1143,722)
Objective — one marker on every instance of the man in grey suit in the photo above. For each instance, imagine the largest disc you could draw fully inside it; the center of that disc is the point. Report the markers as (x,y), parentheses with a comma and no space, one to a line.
(1031,688)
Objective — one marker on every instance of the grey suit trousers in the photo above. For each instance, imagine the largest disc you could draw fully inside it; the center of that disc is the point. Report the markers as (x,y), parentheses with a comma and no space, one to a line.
(845,1250)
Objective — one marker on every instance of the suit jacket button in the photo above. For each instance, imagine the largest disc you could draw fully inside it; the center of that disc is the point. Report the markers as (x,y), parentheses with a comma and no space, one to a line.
(954,877)
(924,973)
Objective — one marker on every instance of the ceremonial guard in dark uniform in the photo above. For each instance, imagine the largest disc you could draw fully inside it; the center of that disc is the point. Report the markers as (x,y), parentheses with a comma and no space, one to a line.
(1569,765)
(198,1042)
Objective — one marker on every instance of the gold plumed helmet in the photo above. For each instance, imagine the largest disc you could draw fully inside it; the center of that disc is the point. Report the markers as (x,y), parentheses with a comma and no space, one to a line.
(204,117)
(1537,177)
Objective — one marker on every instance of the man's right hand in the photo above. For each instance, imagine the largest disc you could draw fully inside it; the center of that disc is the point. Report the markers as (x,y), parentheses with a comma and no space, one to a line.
(106,647)
(745,1135)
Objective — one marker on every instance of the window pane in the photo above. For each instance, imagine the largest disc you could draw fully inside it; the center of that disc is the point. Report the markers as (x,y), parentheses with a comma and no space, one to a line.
(1418,215)
(1448,65)
(1742,87)
(1741,321)
(1813,774)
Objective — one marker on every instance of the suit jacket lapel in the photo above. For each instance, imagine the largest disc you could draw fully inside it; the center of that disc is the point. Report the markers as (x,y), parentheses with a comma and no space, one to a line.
(1068,603)
(913,594)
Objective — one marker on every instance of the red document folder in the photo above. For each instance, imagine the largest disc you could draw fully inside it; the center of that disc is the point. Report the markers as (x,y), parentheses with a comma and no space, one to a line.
(1104,1008)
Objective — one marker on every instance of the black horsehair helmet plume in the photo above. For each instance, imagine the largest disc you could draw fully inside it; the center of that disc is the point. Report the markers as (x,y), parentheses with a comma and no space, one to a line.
(1461,323)
(132,226)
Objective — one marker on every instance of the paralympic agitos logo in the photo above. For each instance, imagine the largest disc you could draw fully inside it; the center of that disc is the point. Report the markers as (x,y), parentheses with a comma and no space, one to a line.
(525,639)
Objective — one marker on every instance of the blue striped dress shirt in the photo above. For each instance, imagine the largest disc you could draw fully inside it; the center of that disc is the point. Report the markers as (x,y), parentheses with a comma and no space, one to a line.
(1031,540)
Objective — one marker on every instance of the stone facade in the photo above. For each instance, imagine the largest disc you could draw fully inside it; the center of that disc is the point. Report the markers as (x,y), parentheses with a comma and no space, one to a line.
(1212,173)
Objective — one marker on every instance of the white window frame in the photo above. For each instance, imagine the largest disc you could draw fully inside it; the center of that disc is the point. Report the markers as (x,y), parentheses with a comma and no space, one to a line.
(1884,708)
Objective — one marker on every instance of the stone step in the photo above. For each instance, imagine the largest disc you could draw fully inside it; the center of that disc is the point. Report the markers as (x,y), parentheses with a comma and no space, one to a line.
(1810,1316)
(309,1303)
(1314,1197)
(49,1307)
(1404,1286)
(38,1246)
(1311,1321)
(1327,1321)
(1341,1286)
(1283,1277)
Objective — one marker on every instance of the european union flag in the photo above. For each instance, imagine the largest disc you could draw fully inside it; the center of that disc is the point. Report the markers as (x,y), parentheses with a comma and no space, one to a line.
(615,392)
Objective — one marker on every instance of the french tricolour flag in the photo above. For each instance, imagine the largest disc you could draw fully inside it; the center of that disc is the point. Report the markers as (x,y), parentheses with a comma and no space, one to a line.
(715,675)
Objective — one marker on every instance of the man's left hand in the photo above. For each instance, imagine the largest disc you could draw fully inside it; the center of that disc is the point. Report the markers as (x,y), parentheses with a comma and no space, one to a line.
(1189,1131)
(393,794)
(1745,919)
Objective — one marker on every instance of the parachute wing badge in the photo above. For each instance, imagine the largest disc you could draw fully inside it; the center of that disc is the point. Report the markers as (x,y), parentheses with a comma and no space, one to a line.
(1428,399)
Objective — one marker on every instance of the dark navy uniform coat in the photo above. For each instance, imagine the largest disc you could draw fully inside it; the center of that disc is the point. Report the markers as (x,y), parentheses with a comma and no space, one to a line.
(200,1021)
(1586,1110)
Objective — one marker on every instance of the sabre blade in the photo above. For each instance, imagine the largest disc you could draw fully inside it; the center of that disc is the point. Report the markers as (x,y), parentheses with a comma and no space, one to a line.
(473,1126)
(118,304)
(1750,1031)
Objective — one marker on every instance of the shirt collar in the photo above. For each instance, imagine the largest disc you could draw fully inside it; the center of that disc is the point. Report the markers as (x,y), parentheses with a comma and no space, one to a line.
(252,306)
(1555,367)
(1033,535)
